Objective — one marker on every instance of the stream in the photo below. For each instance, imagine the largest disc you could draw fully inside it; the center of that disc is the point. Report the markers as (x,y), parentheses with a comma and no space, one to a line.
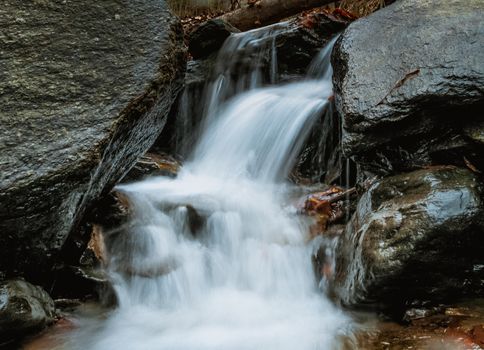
(217,258)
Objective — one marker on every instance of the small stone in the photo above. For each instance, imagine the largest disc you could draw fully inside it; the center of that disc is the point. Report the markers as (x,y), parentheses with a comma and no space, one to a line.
(24,308)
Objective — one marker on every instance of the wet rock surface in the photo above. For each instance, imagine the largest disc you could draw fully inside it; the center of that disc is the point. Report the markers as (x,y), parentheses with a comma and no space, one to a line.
(85,90)
(23,308)
(414,239)
(408,82)
(209,37)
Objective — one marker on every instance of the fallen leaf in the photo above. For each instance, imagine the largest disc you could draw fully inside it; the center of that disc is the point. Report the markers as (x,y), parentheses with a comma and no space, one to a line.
(399,83)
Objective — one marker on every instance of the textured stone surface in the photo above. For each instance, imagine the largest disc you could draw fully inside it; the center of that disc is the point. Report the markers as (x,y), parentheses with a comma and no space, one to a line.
(407,79)
(414,237)
(23,308)
(84,90)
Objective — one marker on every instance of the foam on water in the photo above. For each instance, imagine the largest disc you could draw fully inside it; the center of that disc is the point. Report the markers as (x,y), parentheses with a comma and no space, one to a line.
(216,258)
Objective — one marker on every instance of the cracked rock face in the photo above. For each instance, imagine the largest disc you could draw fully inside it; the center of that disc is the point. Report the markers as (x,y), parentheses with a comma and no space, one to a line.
(408,79)
(85,89)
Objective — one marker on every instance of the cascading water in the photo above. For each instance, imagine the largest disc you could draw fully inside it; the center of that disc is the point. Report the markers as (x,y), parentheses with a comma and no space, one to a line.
(217,258)
(239,67)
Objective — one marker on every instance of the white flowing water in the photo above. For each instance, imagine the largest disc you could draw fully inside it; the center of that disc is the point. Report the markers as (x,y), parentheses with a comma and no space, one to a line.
(217,258)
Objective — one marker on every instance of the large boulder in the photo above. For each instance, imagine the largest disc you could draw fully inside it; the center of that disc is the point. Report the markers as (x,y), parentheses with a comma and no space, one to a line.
(85,90)
(23,308)
(414,238)
(408,81)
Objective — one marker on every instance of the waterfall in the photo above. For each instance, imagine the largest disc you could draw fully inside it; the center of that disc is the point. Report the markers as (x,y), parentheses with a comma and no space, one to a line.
(217,258)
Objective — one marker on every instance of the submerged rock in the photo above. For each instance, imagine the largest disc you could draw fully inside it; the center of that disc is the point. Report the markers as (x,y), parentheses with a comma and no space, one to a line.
(23,308)
(408,82)
(414,238)
(86,88)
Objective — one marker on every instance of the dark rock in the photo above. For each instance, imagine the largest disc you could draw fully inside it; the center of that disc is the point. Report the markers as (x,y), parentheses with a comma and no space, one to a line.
(194,219)
(81,282)
(111,211)
(86,247)
(24,308)
(181,130)
(85,90)
(408,80)
(414,238)
(299,43)
(321,159)
(81,272)
(209,37)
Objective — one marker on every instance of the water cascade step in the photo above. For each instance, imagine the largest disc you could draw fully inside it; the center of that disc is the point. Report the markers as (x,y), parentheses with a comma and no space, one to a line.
(242,277)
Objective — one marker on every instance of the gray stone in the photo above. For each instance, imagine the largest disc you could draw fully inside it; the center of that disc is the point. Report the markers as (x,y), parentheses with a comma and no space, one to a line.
(414,237)
(85,88)
(23,308)
(407,79)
